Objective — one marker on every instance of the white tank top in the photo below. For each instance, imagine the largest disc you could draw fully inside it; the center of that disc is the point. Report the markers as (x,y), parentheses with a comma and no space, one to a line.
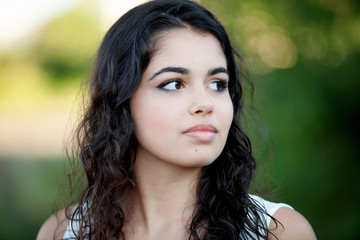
(269,207)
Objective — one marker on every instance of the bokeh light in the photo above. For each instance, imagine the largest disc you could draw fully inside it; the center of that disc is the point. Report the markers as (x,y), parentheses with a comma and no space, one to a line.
(303,58)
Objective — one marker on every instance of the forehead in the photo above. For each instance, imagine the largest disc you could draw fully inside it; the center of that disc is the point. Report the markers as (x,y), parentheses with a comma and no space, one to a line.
(185,44)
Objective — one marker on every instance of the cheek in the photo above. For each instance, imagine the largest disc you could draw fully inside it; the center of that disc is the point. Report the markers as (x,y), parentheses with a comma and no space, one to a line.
(227,112)
(157,117)
(152,117)
(231,113)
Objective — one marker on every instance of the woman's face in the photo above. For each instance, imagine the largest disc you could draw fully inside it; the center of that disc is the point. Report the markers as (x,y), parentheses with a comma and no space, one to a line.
(182,109)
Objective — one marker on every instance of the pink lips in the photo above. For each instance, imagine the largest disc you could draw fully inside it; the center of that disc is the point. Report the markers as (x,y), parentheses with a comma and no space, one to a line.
(202,133)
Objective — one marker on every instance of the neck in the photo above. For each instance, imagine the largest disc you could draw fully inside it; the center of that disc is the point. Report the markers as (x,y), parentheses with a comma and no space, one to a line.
(164,195)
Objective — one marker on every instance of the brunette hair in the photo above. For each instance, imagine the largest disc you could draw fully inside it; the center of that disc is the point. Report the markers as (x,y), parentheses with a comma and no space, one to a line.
(105,135)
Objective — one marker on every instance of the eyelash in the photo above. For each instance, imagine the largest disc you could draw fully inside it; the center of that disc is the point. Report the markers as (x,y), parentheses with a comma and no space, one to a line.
(166,83)
(223,85)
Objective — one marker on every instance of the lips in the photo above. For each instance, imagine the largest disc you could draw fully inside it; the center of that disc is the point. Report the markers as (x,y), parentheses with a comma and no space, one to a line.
(202,133)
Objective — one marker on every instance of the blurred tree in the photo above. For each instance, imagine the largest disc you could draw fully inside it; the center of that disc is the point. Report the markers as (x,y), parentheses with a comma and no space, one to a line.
(56,58)
(303,57)
(67,45)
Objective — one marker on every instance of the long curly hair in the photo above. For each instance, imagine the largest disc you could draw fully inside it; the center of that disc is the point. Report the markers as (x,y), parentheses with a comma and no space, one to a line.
(105,137)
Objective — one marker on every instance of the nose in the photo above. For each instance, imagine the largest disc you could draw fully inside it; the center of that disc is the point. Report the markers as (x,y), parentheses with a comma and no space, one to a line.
(202,104)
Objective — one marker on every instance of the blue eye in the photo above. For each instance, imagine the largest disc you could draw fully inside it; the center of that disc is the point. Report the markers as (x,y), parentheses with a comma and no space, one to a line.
(218,86)
(171,85)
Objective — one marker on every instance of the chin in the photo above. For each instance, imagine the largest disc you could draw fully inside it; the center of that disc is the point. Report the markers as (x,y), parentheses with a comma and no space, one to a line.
(201,161)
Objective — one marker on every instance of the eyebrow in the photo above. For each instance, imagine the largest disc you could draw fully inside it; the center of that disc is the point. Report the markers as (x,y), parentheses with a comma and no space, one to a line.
(185,71)
(218,70)
(171,69)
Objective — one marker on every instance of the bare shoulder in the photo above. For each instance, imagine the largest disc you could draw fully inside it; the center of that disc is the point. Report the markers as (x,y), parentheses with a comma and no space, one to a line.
(293,226)
(54,227)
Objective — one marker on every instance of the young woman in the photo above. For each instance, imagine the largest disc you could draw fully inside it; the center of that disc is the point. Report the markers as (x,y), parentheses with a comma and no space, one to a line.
(160,143)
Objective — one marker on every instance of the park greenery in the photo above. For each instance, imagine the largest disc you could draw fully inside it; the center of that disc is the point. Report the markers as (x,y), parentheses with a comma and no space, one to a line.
(303,58)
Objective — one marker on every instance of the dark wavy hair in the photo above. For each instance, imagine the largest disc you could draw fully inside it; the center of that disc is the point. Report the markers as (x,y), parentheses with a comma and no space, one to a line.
(105,135)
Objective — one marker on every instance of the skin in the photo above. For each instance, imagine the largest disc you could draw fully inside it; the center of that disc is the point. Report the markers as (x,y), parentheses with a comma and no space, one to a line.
(162,113)
(169,159)
(294,226)
(54,227)
(183,87)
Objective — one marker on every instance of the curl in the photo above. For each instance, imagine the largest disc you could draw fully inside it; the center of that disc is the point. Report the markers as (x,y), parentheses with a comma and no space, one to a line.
(107,144)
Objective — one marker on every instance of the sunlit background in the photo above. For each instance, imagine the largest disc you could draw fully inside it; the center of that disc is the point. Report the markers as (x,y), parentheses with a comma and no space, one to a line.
(304,61)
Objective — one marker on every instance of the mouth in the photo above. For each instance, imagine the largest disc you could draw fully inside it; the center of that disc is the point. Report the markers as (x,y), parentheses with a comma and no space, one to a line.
(202,133)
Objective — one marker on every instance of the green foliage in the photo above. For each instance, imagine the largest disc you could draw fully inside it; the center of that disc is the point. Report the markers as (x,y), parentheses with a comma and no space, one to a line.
(276,34)
(27,190)
(304,57)
(66,46)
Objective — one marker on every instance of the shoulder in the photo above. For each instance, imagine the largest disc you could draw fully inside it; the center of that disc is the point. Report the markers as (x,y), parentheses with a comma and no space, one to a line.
(292,226)
(54,227)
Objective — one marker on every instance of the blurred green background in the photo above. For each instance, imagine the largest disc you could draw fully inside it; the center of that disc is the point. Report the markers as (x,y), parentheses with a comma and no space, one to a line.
(304,61)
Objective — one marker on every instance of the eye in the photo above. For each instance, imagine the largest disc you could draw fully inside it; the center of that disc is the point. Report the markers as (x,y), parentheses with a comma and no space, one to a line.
(218,86)
(171,85)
